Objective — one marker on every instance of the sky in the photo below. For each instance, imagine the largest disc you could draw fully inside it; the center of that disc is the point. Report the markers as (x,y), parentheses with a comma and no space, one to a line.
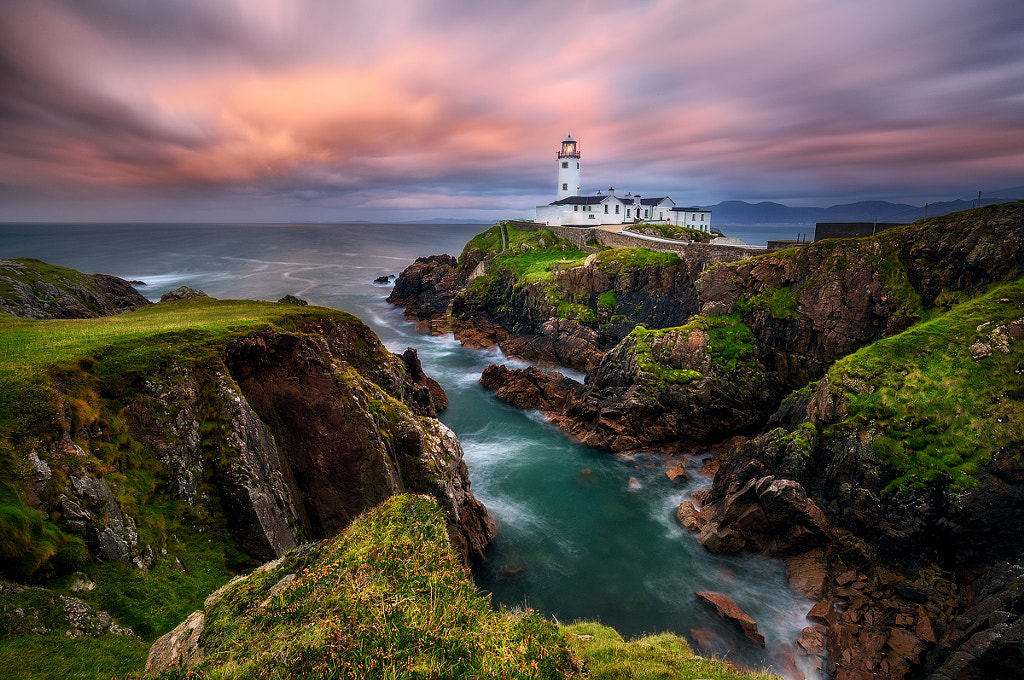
(389,110)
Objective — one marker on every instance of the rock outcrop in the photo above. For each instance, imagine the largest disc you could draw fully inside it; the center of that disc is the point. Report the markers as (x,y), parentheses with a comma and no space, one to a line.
(36,290)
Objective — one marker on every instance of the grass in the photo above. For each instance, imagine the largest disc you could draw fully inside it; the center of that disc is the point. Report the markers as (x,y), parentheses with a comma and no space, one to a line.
(608,656)
(59,657)
(387,598)
(939,414)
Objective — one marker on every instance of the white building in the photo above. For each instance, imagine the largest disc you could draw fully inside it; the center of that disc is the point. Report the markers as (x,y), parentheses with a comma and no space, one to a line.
(570,208)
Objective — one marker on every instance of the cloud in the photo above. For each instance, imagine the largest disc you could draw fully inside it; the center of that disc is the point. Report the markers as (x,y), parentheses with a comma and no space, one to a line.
(390,103)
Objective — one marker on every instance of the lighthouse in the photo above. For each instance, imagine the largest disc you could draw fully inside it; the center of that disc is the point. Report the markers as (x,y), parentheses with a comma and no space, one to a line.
(568,168)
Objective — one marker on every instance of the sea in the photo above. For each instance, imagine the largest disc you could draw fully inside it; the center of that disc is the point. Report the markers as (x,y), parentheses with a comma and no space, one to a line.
(583,534)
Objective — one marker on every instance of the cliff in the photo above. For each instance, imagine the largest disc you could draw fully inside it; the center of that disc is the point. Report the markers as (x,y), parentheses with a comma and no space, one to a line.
(149,455)
(774,323)
(542,299)
(864,396)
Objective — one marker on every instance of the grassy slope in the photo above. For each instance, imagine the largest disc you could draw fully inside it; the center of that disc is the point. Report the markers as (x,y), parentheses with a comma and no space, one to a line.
(95,360)
(939,413)
(388,598)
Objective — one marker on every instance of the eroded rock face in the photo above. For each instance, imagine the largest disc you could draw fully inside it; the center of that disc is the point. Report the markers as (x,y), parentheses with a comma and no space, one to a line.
(347,443)
(730,611)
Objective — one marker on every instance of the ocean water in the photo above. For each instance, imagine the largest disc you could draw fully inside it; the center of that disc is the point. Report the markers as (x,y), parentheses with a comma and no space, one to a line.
(577,539)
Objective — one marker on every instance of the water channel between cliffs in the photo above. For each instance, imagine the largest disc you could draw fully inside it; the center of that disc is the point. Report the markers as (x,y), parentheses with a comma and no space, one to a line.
(576,539)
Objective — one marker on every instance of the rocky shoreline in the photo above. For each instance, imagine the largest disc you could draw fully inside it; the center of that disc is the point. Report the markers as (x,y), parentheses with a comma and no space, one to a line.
(915,577)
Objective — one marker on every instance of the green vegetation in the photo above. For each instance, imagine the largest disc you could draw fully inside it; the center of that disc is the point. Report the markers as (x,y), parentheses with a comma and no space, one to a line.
(939,412)
(607,300)
(621,258)
(59,657)
(387,598)
(656,656)
(98,364)
(642,340)
(780,303)
(730,344)
(671,231)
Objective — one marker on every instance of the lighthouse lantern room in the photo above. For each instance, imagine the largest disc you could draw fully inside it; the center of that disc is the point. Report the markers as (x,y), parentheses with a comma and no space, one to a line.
(569,168)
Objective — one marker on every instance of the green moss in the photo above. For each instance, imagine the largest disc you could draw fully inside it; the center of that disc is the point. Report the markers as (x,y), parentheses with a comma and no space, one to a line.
(939,412)
(780,303)
(28,540)
(607,300)
(661,375)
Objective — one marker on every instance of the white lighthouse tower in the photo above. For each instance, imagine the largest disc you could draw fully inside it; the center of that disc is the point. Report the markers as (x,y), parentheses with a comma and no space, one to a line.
(568,169)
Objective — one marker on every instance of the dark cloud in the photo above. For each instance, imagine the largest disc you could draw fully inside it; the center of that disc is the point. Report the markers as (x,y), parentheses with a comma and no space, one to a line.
(460,102)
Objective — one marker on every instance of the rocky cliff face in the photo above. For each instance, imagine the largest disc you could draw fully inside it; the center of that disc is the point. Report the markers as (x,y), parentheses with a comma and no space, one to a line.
(770,325)
(264,433)
(35,290)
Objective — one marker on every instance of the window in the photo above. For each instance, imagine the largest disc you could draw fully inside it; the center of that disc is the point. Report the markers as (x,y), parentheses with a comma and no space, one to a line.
(605,208)
(627,212)
(661,216)
(645,213)
(565,186)
(577,166)
(575,208)
(616,209)
(565,164)
(702,218)
(593,217)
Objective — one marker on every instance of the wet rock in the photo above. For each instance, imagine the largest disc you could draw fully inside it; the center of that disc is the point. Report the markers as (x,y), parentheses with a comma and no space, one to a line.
(689,517)
(677,473)
(823,612)
(807,573)
(730,611)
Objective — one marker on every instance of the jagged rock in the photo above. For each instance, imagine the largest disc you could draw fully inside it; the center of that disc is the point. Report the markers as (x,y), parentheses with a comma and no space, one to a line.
(92,509)
(532,387)
(765,515)
(426,288)
(730,611)
(179,648)
(182,293)
(292,300)
(986,640)
(689,517)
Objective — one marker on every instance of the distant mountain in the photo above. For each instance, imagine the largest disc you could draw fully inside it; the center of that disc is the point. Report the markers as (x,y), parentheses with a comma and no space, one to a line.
(766,212)
(733,213)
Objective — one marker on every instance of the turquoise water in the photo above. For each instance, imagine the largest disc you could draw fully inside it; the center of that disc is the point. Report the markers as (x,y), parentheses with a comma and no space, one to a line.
(577,539)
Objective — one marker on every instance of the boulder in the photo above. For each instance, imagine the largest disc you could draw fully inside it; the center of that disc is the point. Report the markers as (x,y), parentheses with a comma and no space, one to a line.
(182,293)
(728,610)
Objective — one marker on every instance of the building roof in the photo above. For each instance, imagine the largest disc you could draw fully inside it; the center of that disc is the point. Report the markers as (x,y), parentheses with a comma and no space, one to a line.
(694,209)
(579,200)
(653,201)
